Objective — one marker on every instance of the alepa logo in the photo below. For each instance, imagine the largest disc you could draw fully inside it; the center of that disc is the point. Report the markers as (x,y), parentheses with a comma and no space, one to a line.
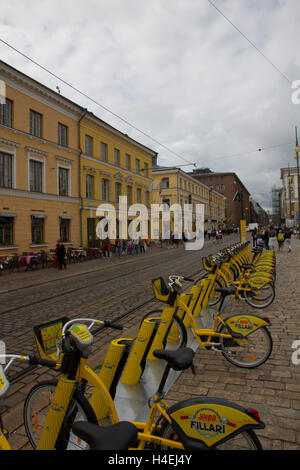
(134,222)
(208,423)
(244,324)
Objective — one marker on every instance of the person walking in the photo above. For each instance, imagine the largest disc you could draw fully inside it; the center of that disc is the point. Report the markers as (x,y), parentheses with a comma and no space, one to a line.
(288,239)
(265,238)
(61,253)
(272,238)
(119,245)
(254,232)
(280,239)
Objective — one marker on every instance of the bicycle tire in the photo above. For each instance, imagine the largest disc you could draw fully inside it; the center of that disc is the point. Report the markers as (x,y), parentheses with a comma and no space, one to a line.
(247,359)
(254,300)
(36,407)
(246,440)
(177,334)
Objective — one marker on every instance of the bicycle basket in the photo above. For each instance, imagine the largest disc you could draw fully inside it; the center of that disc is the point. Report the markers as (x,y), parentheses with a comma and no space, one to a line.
(46,335)
(160,289)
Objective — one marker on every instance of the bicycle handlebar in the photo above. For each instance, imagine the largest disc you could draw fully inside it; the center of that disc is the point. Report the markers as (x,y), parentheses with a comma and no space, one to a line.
(180,278)
(33,360)
(93,321)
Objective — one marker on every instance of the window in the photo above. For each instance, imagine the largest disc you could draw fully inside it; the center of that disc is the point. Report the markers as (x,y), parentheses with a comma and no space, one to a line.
(166,204)
(89,180)
(64,229)
(138,195)
(117,157)
(5,170)
(35,127)
(37,229)
(62,135)
(36,176)
(128,164)
(6,231)
(105,190)
(117,191)
(145,169)
(137,165)
(147,197)
(165,183)
(63,182)
(6,113)
(129,195)
(88,145)
(103,150)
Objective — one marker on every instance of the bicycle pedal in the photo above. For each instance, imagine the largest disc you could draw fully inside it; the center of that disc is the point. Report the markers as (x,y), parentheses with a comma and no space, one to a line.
(216,348)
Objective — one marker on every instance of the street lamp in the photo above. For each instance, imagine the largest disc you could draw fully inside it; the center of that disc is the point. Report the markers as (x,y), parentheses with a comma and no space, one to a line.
(297,150)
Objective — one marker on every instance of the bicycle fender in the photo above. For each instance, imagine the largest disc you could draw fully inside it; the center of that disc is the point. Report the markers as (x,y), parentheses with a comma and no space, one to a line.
(207,422)
(245,324)
(258,281)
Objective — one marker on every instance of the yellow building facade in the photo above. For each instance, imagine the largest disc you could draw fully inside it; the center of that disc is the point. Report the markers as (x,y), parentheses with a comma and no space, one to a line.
(174,186)
(112,165)
(39,172)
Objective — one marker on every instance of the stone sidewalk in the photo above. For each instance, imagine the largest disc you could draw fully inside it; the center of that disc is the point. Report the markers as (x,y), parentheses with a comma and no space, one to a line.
(273,388)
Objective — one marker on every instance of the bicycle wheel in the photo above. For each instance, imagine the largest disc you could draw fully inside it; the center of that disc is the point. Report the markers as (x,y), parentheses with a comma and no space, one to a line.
(260,298)
(36,408)
(250,352)
(176,336)
(246,440)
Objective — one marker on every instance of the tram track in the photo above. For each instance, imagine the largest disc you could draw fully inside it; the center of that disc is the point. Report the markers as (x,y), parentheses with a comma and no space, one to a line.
(70,291)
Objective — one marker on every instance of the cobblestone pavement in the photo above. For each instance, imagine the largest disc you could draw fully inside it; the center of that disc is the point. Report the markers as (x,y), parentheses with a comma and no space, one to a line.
(273,389)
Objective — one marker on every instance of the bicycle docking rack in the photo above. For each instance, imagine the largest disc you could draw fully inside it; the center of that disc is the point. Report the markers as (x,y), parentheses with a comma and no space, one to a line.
(110,373)
(136,362)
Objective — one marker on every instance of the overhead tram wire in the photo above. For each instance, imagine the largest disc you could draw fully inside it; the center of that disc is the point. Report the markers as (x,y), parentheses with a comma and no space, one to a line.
(96,102)
(127,122)
(250,42)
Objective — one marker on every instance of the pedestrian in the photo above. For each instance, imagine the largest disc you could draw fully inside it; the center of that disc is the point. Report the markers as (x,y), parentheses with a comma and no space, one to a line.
(280,240)
(272,238)
(119,245)
(259,237)
(254,232)
(129,246)
(107,248)
(135,246)
(265,238)
(288,239)
(60,253)
(142,245)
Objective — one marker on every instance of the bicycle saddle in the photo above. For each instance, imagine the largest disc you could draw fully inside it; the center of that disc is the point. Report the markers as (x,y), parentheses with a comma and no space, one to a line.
(180,359)
(118,436)
(226,290)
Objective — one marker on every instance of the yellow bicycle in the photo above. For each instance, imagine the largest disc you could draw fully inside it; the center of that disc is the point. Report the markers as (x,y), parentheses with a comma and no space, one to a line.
(243,339)
(194,424)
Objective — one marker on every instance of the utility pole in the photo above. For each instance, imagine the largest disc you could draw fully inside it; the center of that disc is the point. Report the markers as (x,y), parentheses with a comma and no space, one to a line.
(297,149)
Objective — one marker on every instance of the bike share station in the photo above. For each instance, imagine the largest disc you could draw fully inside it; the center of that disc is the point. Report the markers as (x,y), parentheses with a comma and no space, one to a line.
(140,373)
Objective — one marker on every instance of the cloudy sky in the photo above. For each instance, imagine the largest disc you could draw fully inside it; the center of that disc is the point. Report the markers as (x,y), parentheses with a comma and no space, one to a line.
(184,80)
